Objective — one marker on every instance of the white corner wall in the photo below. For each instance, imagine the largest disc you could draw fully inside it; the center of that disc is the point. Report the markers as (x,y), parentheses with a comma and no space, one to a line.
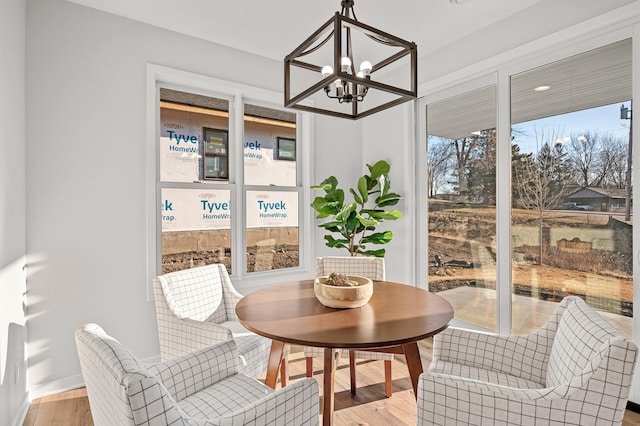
(389,136)
(13,334)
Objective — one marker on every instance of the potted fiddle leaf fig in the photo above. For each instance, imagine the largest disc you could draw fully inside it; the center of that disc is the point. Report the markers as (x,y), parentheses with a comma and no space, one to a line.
(355,222)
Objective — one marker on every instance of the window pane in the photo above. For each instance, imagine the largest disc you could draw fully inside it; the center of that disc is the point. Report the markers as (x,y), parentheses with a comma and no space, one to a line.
(571,230)
(270,147)
(193,137)
(272,230)
(195,228)
(461,184)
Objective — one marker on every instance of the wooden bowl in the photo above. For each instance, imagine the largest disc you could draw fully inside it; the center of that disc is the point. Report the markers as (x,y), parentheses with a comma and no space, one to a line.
(343,297)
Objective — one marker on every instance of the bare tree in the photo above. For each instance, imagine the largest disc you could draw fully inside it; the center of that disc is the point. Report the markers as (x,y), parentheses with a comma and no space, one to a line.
(463,149)
(541,179)
(439,159)
(613,158)
(583,152)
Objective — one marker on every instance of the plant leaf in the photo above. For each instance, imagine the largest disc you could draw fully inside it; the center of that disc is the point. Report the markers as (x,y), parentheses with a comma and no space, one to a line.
(363,189)
(374,253)
(333,243)
(367,222)
(378,169)
(390,199)
(385,184)
(344,213)
(330,183)
(356,197)
(378,238)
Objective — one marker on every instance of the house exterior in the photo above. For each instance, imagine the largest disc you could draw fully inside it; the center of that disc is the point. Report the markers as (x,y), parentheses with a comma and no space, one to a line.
(600,199)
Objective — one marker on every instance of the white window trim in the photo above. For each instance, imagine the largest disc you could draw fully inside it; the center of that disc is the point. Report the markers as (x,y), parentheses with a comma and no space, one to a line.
(237,94)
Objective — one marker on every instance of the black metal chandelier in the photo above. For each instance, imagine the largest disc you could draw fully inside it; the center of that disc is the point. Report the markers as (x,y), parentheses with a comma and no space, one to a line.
(330,68)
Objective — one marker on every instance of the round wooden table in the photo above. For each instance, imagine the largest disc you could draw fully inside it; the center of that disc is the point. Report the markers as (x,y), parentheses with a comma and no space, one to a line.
(394,320)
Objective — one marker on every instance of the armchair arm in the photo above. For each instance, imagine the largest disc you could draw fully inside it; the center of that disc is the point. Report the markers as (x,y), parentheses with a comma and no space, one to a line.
(523,356)
(295,404)
(190,373)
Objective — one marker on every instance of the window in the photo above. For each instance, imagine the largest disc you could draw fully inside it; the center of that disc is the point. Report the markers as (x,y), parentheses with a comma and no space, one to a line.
(461,197)
(195,199)
(286,149)
(229,191)
(543,209)
(215,161)
(271,198)
(571,227)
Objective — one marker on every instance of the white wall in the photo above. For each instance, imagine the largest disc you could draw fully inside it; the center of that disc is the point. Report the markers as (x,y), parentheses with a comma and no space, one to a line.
(337,152)
(86,179)
(387,136)
(13,335)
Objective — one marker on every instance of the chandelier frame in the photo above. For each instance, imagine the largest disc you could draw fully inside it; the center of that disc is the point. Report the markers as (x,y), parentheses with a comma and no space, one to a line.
(333,27)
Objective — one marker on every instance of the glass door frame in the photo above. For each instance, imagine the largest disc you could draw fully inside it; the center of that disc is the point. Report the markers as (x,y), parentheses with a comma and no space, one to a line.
(499,73)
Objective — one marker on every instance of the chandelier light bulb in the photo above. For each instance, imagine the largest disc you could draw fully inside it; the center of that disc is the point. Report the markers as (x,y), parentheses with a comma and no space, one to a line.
(327,70)
(345,63)
(365,68)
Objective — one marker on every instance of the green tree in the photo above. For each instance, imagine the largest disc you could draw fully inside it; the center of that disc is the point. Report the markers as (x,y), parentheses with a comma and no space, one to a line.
(482,167)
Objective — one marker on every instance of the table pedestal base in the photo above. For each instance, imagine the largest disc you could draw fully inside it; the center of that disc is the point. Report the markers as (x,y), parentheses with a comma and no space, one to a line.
(409,350)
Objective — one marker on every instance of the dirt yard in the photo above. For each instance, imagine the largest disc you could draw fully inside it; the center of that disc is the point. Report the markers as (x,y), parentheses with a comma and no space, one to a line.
(257,260)
(462,253)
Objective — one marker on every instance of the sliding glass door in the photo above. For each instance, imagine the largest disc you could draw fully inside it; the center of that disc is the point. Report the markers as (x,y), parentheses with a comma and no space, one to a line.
(561,177)
(571,221)
(461,203)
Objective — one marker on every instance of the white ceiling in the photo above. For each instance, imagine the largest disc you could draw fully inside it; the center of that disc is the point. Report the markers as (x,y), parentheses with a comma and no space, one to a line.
(273,28)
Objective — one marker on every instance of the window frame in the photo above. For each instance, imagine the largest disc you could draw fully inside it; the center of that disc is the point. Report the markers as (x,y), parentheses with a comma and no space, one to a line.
(237,95)
(279,156)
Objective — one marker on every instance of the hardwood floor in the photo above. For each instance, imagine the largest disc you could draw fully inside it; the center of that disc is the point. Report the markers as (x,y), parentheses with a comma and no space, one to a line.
(368,407)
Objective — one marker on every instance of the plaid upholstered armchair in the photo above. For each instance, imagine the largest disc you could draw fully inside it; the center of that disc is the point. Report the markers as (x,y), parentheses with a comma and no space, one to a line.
(201,388)
(196,308)
(575,370)
(372,268)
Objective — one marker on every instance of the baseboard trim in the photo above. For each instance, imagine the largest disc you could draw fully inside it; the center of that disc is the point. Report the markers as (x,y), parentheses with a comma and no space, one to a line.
(22,413)
(56,386)
(69,383)
(632,406)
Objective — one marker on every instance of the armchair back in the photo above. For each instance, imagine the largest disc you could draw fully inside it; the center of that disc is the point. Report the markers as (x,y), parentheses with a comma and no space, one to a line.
(107,367)
(584,341)
(199,293)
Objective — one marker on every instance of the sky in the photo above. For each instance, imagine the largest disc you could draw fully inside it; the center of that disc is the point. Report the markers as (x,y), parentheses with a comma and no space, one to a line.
(605,119)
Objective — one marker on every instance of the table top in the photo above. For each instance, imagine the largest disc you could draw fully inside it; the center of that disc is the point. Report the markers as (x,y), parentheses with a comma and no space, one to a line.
(395,315)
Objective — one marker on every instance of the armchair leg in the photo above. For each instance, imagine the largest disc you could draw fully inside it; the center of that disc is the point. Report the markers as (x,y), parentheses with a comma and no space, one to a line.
(352,371)
(387,378)
(309,366)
